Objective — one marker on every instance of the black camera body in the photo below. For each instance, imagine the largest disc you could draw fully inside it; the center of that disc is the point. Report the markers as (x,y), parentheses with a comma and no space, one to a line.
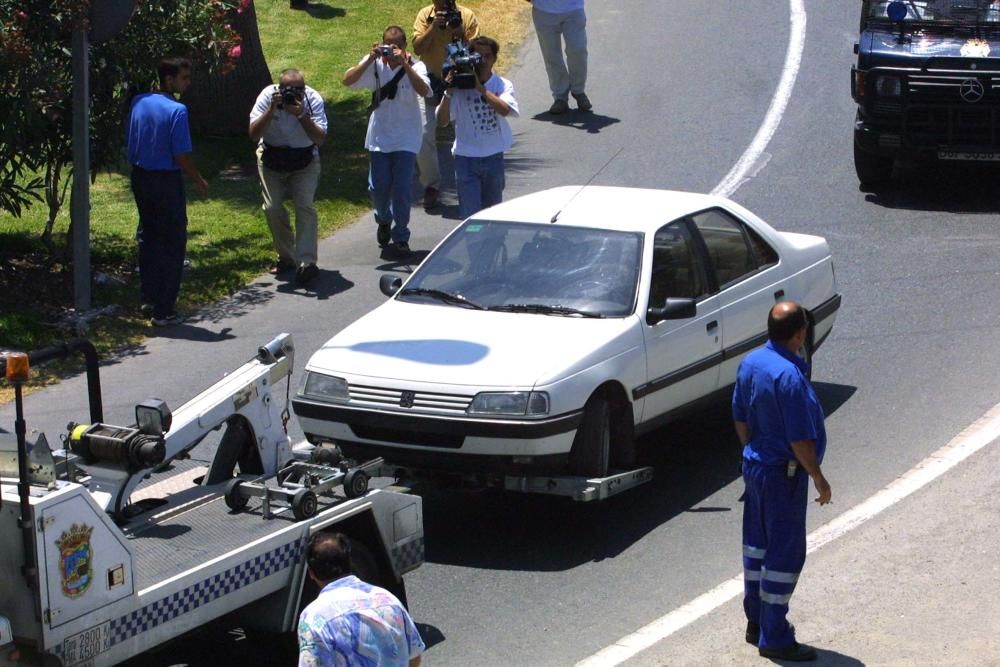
(289,95)
(452,17)
(384,50)
(464,61)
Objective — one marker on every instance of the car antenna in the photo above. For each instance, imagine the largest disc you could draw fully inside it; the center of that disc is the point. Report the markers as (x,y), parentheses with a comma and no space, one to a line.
(556,216)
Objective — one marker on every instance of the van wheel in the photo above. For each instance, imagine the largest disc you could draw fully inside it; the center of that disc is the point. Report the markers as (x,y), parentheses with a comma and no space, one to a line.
(592,445)
(872,170)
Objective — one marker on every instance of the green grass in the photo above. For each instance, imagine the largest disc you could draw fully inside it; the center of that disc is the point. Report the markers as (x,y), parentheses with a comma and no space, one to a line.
(228,240)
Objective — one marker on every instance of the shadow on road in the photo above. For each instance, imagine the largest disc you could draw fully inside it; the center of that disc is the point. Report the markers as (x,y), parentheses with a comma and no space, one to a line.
(952,188)
(694,458)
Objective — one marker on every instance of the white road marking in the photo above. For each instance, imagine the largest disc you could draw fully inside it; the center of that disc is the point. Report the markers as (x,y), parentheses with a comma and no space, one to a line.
(793,58)
(981,433)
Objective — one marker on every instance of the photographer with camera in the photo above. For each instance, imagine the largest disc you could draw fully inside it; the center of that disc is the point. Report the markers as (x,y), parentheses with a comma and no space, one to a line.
(479,102)
(395,126)
(557,21)
(288,123)
(435,27)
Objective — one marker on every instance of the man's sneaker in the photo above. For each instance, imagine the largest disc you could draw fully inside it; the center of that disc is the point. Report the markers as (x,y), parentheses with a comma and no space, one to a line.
(401,248)
(382,235)
(168,321)
(559,106)
(753,633)
(430,197)
(582,102)
(146,310)
(795,653)
(281,266)
(306,274)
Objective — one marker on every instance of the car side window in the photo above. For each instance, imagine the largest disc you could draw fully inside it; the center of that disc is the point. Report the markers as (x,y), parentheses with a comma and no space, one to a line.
(677,268)
(764,254)
(728,250)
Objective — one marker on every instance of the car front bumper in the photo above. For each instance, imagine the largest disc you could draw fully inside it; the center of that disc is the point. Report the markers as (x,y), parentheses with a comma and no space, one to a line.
(433,442)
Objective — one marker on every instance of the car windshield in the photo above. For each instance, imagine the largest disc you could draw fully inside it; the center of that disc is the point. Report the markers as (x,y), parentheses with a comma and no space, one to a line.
(942,11)
(517,267)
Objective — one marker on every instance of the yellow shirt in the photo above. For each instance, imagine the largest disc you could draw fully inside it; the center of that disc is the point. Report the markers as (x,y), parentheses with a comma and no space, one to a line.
(432,52)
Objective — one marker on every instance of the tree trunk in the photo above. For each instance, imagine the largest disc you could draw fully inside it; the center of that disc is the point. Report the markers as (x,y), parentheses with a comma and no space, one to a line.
(219,104)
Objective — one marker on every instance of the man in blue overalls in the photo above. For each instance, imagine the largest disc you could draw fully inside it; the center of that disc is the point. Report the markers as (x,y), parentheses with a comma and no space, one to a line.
(779,422)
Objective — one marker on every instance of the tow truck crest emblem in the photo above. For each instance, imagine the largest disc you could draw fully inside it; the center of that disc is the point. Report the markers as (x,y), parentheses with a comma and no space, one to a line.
(75,560)
(971,90)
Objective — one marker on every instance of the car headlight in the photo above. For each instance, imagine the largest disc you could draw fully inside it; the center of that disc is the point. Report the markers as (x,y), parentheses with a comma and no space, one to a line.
(510,404)
(888,86)
(324,387)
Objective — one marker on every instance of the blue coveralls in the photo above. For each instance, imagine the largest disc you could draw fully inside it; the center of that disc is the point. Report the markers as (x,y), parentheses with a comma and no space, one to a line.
(775,398)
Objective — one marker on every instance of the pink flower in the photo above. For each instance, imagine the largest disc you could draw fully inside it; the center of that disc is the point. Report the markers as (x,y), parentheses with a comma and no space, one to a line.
(235,51)
(20,16)
(244,4)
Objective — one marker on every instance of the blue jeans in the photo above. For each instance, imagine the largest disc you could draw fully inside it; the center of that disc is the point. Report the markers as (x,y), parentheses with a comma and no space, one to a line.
(390,178)
(479,181)
(162,236)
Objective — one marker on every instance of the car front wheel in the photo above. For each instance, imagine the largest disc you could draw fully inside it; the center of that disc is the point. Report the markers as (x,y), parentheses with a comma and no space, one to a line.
(873,170)
(592,445)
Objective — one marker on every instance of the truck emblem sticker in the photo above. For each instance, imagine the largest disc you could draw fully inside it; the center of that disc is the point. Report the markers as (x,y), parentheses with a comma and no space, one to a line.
(406,399)
(971,90)
(976,48)
(75,559)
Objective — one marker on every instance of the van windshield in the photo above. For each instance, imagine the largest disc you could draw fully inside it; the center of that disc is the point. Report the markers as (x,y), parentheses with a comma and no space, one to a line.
(949,12)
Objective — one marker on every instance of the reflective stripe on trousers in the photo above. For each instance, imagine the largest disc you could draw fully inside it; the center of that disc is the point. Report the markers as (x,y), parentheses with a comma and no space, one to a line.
(774,547)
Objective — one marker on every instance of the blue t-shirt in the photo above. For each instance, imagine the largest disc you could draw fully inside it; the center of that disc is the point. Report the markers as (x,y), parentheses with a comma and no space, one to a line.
(776,400)
(157,131)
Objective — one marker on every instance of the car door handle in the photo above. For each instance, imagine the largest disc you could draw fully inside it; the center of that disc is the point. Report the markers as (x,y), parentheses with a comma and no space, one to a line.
(779,294)
(711,326)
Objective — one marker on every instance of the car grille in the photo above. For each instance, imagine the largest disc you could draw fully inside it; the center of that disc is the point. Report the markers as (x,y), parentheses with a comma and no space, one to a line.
(424,401)
(935,115)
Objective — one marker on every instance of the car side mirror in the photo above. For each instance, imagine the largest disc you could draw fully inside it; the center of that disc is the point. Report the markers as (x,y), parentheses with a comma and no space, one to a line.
(389,284)
(675,308)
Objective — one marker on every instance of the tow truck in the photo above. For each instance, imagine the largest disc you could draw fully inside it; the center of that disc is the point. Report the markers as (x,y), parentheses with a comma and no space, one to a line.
(118,541)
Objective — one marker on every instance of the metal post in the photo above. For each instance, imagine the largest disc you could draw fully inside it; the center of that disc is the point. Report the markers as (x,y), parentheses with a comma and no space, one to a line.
(80,200)
(28,569)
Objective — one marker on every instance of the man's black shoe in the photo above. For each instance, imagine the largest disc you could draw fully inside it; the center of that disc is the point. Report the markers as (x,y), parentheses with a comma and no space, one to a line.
(306,274)
(753,633)
(382,235)
(401,249)
(795,653)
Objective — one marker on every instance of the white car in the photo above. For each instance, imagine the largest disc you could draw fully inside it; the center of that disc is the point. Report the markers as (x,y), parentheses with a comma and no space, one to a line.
(544,333)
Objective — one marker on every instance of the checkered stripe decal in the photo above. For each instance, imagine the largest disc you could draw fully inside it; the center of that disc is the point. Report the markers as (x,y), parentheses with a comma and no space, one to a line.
(408,556)
(203,592)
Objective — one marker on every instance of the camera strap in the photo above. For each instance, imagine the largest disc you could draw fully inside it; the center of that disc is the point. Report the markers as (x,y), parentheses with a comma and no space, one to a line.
(386,92)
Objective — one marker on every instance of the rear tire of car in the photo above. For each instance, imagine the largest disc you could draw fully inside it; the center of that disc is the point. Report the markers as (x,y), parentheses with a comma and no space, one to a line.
(872,170)
(592,445)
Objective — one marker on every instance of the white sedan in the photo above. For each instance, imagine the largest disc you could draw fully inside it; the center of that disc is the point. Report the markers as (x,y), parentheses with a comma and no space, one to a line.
(543,334)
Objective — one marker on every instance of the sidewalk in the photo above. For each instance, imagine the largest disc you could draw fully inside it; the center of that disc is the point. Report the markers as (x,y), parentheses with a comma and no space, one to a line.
(917,585)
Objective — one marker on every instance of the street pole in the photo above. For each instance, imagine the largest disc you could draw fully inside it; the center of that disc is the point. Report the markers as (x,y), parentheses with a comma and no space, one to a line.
(80,200)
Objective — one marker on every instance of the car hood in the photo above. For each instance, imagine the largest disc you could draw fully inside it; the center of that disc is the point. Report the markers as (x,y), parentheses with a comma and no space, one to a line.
(461,346)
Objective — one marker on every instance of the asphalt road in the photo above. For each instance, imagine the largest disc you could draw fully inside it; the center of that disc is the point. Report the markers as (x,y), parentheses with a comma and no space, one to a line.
(679,90)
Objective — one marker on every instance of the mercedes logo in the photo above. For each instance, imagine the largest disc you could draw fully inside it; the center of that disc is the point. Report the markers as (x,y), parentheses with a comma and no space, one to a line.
(406,399)
(971,90)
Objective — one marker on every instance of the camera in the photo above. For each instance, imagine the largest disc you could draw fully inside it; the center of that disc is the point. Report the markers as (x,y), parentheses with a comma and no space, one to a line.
(452,17)
(464,61)
(384,50)
(290,95)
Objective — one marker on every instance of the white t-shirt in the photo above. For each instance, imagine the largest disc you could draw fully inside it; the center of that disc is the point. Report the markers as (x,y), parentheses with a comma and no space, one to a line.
(397,124)
(284,128)
(557,6)
(479,130)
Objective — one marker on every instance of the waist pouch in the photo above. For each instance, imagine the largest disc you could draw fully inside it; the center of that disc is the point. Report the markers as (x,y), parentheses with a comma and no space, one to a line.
(286,159)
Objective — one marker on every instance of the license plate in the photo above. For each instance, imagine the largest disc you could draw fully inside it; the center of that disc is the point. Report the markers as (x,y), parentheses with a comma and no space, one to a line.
(971,156)
(81,648)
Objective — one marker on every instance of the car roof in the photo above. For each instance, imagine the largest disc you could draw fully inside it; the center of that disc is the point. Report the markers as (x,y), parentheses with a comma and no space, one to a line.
(599,206)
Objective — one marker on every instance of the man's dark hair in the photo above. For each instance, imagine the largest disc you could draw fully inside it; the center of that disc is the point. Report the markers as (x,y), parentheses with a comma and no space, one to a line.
(393,31)
(486,41)
(171,67)
(783,323)
(329,556)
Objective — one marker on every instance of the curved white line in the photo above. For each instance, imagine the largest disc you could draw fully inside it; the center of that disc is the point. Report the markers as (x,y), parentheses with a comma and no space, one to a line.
(984,431)
(793,58)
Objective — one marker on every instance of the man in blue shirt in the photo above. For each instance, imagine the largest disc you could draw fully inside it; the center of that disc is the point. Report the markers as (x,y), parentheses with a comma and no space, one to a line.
(352,623)
(159,148)
(779,421)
